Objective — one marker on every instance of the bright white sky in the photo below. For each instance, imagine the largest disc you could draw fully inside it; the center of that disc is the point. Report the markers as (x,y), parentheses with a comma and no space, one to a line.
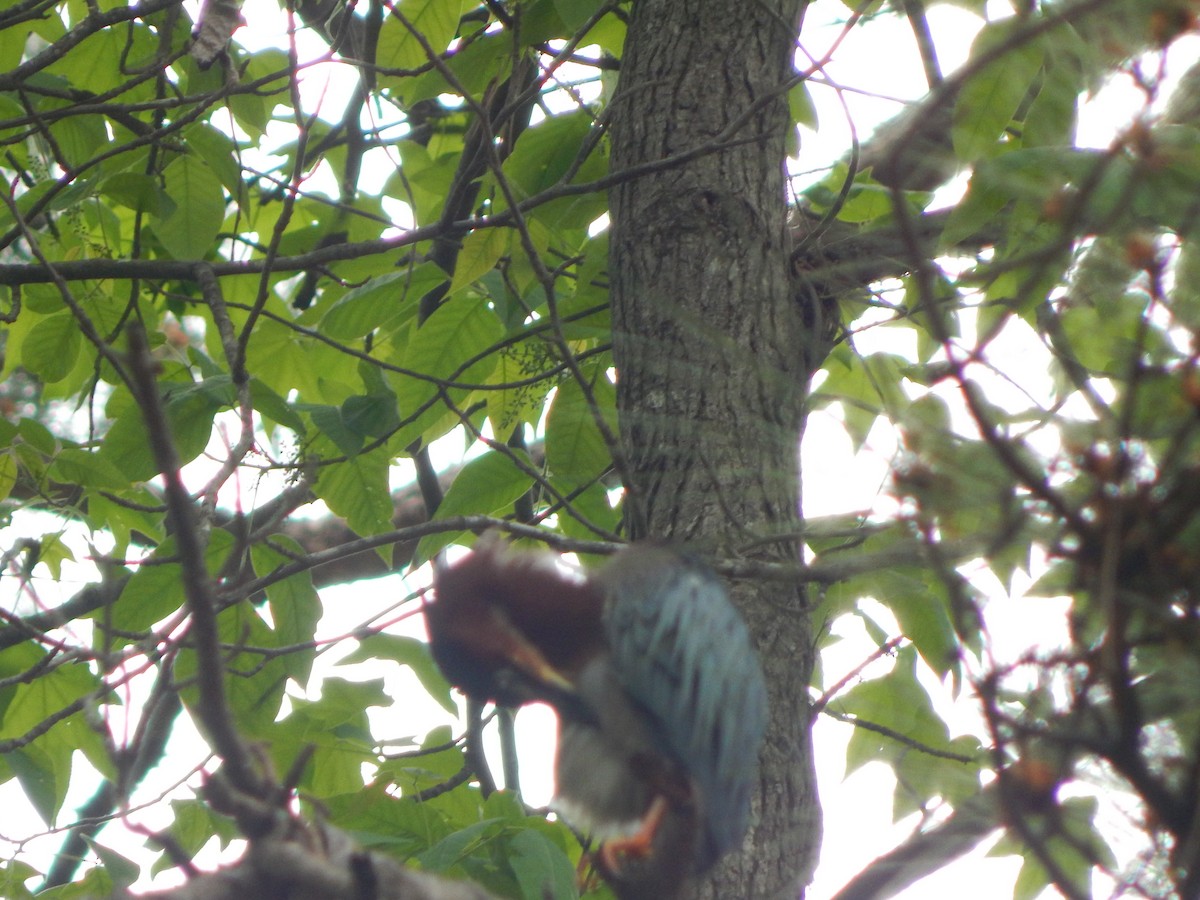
(857,810)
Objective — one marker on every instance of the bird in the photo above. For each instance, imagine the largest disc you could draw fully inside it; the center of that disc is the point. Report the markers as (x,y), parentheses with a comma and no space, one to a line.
(661,701)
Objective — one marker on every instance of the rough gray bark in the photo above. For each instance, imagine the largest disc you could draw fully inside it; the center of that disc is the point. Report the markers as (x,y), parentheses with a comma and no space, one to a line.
(710,351)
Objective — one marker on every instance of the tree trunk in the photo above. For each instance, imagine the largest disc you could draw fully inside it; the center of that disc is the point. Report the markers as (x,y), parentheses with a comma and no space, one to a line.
(709,347)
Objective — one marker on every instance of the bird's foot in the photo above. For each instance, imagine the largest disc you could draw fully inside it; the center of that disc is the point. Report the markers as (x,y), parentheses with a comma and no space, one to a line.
(613,854)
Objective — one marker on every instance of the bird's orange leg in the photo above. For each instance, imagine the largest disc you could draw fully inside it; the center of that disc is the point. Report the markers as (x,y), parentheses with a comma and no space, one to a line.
(638,845)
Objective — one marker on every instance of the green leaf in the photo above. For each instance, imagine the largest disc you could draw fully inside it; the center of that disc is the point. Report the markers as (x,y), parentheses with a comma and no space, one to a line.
(220,152)
(14,873)
(801,107)
(474,66)
(189,230)
(541,868)
(40,779)
(156,588)
(252,110)
(480,251)
(38,436)
(358,490)
(901,705)
(575,448)
(543,154)
(370,416)
(77,136)
(1077,814)
(51,347)
(294,604)
(589,512)
(451,345)
(412,653)
(193,826)
(8,474)
(137,191)
(435,20)
(385,302)
(401,826)
(989,100)
(53,552)
(273,407)
(510,406)
(1185,297)
(337,728)
(487,485)
(122,870)
(574,14)
(1053,114)
(255,677)
(44,766)
(918,600)
(87,467)
(451,850)
(190,409)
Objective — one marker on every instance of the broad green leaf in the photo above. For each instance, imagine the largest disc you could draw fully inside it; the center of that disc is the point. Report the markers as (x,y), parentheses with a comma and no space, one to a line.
(38,436)
(357,489)
(8,474)
(335,726)
(866,202)
(385,302)
(122,870)
(87,467)
(541,868)
(575,14)
(435,20)
(190,409)
(15,873)
(1052,115)
(800,106)
(451,346)
(371,416)
(489,484)
(919,602)
(451,850)
(543,154)
(294,604)
(189,230)
(286,361)
(399,825)
(588,512)
(1077,813)
(51,347)
(273,407)
(193,826)
(327,420)
(256,677)
(220,152)
(252,110)
(156,588)
(1185,297)
(53,552)
(474,66)
(480,251)
(44,766)
(137,191)
(520,403)
(988,101)
(901,705)
(408,652)
(41,780)
(77,136)
(575,447)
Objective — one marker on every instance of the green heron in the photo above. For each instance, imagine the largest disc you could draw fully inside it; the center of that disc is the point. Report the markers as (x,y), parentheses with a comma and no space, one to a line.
(660,698)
